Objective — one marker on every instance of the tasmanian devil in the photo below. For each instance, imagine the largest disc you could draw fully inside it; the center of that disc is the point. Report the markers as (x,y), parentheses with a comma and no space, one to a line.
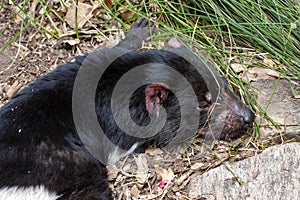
(50,141)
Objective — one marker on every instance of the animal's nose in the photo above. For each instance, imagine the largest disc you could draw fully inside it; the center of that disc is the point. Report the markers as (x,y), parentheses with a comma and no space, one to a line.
(248,117)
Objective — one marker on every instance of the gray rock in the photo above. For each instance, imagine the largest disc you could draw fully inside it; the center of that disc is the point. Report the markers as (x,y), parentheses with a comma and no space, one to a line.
(283,108)
(273,174)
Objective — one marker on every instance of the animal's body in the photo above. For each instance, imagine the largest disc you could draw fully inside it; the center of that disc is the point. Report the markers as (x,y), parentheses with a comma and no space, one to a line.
(40,148)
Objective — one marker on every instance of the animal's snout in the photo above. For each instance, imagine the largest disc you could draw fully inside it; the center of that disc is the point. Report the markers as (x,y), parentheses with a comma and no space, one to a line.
(238,107)
(248,116)
(236,117)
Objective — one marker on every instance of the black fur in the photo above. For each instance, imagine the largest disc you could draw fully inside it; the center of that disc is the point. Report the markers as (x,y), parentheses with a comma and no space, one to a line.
(39,144)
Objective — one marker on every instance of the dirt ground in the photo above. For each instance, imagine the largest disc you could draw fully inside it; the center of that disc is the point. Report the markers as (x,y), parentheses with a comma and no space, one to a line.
(32,55)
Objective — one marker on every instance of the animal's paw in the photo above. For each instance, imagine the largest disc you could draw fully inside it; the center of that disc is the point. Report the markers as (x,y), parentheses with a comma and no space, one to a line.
(140,31)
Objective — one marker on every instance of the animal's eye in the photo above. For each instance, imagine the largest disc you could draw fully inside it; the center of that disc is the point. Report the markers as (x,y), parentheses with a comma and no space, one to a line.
(208,97)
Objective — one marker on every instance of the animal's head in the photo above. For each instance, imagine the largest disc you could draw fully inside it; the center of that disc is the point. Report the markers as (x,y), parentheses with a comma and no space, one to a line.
(157,96)
(230,116)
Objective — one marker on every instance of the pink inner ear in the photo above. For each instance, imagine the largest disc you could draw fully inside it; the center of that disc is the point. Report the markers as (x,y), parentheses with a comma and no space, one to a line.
(154,94)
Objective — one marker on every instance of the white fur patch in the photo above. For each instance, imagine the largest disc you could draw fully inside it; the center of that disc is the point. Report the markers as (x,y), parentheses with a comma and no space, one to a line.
(27,193)
(119,153)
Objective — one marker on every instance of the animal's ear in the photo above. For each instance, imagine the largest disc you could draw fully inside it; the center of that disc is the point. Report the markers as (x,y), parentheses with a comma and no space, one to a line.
(155,93)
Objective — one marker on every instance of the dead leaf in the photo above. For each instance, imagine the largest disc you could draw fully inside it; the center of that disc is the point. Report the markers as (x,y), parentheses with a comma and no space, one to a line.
(154,7)
(19,14)
(182,178)
(166,175)
(84,13)
(237,67)
(112,172)
(108,3)
(13,89)
(125,14)
(153,151)
(197,166)
(135,191)
(72,42)
(127,167)
(143,169)
(258,73)
(270,63)
(32,8)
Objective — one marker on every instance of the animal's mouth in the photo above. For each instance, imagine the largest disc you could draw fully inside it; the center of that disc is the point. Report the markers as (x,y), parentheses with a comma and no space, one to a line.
(229,125)
(226,134)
